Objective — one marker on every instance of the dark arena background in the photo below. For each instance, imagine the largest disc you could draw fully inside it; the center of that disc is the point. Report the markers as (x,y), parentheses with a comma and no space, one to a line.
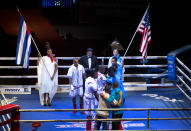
(72,26)
(91,23)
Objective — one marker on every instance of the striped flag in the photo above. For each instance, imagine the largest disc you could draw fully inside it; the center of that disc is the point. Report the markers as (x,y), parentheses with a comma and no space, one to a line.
(23,45)
(145,30)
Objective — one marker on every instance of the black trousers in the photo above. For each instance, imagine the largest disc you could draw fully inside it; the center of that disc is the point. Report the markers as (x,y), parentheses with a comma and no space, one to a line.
(83,86)
(115,124)
(104,123)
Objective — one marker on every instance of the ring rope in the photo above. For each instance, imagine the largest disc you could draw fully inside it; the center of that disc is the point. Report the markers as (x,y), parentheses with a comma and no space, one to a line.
(67,66)
(188,87)
(71,58)
(181,63)
(183,92)
(114,119)
(65,76)
(111,109)
(125,84)
(183,73)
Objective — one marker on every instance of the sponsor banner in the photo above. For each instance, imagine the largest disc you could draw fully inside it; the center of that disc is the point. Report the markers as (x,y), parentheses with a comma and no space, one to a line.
(82,125)
(15,90)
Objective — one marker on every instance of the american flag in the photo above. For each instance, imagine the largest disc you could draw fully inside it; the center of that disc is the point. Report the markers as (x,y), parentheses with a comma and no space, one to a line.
(145,30)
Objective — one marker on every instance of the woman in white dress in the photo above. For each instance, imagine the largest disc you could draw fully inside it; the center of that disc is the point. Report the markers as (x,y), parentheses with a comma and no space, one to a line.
(47,77)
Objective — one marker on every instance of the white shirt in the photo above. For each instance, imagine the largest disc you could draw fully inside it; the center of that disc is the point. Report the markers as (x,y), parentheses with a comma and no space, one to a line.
(101,82)
(90,87)
(76,74)
(89,63)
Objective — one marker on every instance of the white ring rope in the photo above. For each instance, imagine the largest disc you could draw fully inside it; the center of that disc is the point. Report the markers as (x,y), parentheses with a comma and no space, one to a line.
(65,76)
(183,92)
(113,119)
(188,87)
(145,75)
(183,73)
(71,58)
(108,109)
(181,63)
(67,66)
(126,84)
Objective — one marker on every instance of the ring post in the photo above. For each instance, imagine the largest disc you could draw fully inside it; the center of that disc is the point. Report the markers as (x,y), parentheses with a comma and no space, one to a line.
(171,67)
(171,60)
(15,115)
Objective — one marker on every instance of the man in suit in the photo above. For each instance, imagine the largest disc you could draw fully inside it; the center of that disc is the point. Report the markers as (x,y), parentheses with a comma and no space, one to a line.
(89,62)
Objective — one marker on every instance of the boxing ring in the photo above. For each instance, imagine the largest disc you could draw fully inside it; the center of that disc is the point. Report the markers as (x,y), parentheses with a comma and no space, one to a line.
(169,71)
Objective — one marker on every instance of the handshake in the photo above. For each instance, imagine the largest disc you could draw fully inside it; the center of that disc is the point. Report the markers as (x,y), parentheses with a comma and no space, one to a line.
(105,96)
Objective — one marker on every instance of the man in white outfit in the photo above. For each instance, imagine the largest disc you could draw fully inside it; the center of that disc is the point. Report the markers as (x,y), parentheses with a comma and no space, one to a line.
(101,81)
(90,96)
(75,74)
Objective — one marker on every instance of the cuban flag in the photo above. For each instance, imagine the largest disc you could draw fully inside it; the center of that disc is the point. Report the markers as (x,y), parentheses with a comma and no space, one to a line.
(23,45)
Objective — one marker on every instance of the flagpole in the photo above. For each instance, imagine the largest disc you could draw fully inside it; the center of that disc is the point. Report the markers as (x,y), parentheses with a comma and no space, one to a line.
(35,45)
(130,43)
(134,34)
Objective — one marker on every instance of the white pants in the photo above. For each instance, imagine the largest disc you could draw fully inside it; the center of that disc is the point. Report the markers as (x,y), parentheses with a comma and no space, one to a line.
(89,104)
(76,91)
